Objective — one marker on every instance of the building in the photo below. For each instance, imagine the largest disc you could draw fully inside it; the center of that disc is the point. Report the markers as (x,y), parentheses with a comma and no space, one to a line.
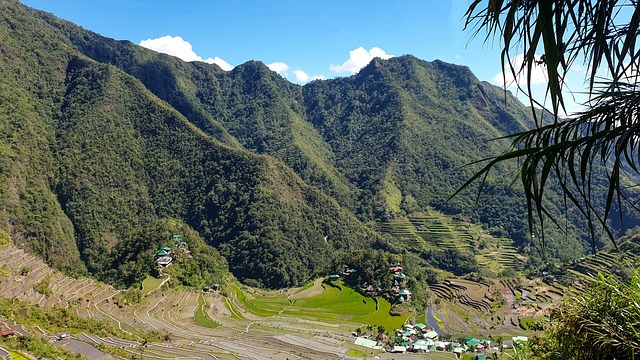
(164,260)
(371,344)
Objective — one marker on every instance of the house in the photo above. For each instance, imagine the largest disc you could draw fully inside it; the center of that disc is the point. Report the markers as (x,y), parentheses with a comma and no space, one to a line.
(471,342)
(182,245)
(405,293)
(371,344)
(63,335)
(421,345)
(164,260)
(334,277)
(398,349)
(430,335)
(213,287)
(400,277)
(458,351)
(176,238)
(7,333)
(161,253)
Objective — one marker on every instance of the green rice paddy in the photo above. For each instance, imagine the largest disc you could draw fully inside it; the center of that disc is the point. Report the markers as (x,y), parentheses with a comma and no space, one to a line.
(17,355)
(331,304)
(201,317)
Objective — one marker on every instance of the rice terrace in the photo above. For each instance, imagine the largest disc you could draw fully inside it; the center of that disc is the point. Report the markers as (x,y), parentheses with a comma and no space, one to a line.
(233,321)
(331,180)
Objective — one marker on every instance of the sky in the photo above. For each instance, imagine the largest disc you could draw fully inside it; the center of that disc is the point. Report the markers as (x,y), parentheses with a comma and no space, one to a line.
(301,40)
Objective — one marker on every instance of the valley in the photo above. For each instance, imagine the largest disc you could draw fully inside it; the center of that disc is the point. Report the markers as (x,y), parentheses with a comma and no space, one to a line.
(312,322)
(156,208)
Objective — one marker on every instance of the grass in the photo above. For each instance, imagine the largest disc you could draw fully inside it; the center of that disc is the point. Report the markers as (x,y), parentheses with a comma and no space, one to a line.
(340,304)
(149,284)
(17,356)
(356,353)
(260,307)
(201,317)
(441,355)
(234,313)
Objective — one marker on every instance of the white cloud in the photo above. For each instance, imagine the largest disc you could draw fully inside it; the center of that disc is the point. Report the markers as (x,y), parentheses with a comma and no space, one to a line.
(303,77)
(177,46)
(359,58)
(538,73)
(279,67)
(220,62)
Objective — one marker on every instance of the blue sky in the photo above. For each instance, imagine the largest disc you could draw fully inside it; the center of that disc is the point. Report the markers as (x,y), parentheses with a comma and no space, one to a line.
(302,40)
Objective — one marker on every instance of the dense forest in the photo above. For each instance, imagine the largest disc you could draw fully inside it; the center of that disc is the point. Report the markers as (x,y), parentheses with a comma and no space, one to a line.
(105,144)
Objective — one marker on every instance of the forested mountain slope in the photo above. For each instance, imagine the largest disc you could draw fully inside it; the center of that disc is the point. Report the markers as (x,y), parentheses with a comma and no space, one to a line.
(91,155)
(100,138)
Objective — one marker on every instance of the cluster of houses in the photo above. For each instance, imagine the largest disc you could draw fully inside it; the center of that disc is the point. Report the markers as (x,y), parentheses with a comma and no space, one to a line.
(399,280)
(163,256)
(420,338)
(398,290)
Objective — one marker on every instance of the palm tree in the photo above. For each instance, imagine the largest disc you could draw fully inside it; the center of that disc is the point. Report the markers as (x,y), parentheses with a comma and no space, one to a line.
(601,35)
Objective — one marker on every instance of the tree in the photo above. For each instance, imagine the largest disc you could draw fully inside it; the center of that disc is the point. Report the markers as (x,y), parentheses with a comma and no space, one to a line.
(605,138)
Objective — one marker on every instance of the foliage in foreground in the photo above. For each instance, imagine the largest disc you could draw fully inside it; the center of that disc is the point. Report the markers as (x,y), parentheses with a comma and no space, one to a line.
(600,323)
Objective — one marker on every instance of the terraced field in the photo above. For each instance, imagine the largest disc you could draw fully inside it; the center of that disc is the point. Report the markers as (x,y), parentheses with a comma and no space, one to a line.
(421,232)
(313,323)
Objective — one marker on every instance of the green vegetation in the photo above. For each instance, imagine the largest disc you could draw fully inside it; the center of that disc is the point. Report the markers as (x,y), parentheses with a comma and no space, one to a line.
(17,356)
(55,319)
(356,353)
(40,347)
(200,315)
(43,286)
(149,284)
(595,323)
(341,303)
(106,147)
(260,306)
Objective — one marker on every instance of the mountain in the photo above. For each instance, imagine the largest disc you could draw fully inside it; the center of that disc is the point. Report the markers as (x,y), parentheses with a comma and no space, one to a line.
(102,138)
(90,155)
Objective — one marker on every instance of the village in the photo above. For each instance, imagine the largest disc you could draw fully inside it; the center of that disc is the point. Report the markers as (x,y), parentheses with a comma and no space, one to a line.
(419,337)
(246,306)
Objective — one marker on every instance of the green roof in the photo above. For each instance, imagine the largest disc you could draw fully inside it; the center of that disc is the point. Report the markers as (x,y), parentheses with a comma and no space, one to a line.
(473,342)
(161,252)
(166,248)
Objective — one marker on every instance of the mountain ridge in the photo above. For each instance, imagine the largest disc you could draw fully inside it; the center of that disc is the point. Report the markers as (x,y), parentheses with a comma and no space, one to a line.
(104,137)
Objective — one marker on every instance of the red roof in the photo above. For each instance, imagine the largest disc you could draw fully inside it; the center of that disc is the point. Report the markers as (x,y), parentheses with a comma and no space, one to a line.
(7,332)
